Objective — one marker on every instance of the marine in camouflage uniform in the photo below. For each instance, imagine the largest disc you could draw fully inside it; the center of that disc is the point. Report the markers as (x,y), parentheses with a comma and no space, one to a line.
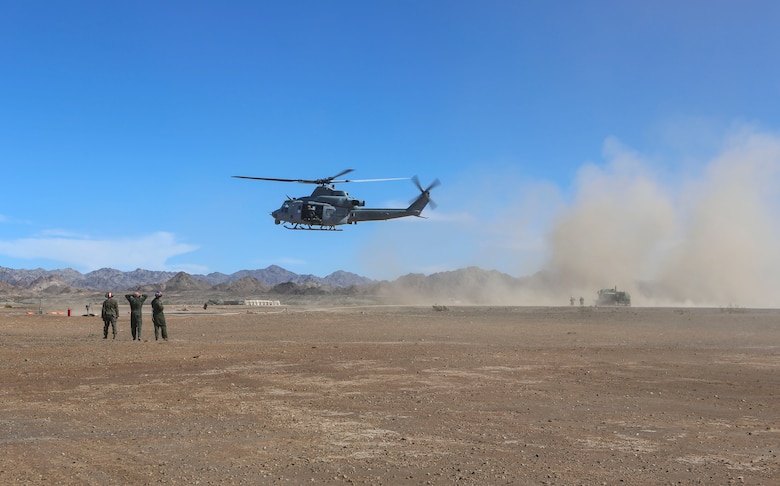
(136,302)
(158,317)
(109,313)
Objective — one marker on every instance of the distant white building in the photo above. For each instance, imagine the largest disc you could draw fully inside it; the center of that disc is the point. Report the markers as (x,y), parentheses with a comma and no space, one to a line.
(258,302)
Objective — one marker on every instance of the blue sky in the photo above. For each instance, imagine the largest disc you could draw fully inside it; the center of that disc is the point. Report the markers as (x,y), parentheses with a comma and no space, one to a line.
(122,122)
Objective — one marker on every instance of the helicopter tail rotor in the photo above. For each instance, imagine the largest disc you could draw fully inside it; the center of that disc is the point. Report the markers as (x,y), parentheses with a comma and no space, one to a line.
(424,199)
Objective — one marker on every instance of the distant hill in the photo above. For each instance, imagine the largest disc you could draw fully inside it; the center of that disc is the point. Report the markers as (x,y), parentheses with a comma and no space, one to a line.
(51,284)
(274,275)
(243,286)
(468,285)
(184,282)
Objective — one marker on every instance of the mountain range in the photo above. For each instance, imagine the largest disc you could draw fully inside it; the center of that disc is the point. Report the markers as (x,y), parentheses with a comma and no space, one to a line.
(109,278)
(471,284)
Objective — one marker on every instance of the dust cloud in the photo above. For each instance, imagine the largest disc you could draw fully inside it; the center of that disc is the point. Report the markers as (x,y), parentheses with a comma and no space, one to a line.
(670,230)
(706,239)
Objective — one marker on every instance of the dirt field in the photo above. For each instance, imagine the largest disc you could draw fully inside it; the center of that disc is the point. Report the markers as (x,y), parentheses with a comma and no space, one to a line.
(394,395)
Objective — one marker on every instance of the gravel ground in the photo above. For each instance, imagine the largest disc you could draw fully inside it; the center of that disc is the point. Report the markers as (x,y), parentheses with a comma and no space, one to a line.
(394,395)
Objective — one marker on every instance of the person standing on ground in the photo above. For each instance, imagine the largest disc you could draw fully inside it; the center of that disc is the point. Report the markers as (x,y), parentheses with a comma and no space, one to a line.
(158,317)
(136,303)
(110,313)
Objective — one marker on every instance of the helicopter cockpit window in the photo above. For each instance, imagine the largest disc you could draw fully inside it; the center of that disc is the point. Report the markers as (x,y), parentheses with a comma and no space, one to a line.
(285,208)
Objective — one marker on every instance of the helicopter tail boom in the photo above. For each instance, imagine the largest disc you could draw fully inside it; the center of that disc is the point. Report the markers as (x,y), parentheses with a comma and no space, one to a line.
(377,214)
(414,209)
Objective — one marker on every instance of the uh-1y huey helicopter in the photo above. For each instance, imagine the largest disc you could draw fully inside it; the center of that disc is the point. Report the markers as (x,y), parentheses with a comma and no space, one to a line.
(328,207)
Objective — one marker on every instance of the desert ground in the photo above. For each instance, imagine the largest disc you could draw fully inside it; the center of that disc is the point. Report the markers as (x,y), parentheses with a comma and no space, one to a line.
(393,395)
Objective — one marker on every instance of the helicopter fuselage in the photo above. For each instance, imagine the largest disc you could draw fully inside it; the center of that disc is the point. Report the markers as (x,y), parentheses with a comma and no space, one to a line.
(327,208)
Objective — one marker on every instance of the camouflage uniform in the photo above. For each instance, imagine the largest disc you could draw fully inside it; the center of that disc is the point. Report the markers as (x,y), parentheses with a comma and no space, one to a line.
(136,302)
(159,318)
(109,314)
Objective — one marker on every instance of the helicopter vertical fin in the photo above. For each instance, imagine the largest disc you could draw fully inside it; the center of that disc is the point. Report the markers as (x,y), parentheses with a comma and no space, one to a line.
(423,199)
(419,204)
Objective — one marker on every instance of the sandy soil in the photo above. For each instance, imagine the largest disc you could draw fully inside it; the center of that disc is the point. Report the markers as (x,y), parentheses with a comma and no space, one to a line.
(394,395)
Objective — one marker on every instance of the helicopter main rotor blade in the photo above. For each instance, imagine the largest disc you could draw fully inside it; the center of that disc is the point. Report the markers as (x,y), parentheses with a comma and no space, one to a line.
(373,180)
(326,180)
(275,179)
(345,171)
(329,180)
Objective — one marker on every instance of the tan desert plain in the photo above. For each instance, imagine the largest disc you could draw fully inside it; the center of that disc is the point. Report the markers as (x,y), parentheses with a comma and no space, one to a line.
(324,391)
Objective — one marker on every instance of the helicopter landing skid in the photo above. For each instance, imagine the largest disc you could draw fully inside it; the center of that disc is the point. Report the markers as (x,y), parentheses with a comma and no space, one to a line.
(309,227)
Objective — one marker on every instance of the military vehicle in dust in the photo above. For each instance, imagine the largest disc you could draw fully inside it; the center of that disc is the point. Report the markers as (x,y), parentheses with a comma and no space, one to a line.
(613,297)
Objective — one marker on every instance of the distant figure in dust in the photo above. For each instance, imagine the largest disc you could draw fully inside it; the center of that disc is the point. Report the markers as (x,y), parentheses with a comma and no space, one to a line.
(158,317)
(109,314)
(582,301)
(571,301)
(136,302)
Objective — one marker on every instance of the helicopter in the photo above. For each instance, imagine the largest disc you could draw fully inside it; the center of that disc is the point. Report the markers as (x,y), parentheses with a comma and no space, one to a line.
(327,207)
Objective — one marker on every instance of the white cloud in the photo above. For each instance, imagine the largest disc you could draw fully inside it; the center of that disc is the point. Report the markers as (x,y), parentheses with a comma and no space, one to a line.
(147,251)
